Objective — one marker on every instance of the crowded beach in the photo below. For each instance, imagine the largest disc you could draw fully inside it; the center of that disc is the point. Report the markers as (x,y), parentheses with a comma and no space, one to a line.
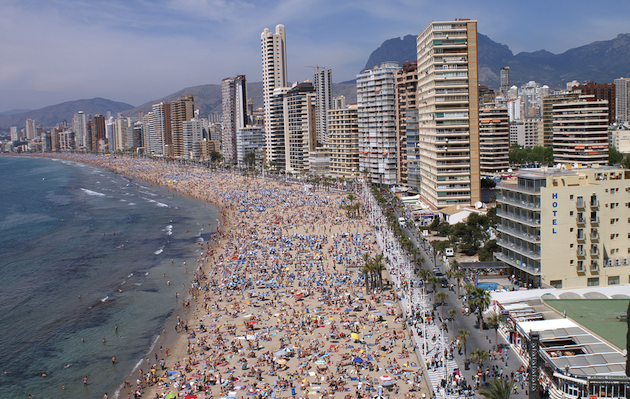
(279,305)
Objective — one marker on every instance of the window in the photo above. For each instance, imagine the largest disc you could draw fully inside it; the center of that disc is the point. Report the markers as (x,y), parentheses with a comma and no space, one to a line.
(613,280)
(571,196)
(592,282)
(571,213)
(556,283)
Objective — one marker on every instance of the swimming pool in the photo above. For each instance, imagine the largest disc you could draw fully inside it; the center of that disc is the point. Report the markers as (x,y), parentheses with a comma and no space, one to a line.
(488,286)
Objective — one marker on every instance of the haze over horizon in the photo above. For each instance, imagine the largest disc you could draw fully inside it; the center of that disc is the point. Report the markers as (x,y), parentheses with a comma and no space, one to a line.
(134,51)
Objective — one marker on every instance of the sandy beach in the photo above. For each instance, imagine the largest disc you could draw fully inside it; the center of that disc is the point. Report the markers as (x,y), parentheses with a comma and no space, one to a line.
(278,306)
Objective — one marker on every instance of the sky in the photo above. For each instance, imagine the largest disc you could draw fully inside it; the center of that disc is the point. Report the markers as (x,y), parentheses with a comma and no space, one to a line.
(136,51)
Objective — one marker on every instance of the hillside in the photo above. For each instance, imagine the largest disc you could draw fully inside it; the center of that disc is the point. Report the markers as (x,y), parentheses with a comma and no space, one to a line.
(51,115)
(601,62)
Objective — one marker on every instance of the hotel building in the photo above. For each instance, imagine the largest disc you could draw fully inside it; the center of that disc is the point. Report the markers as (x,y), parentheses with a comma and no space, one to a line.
(448,113)
(581,216)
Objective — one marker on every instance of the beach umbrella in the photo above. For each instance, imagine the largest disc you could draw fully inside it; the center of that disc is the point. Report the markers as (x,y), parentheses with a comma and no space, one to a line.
(385,378)
(190,397)
(388,383)
(355,336)
(170,395)
(357,360)
(281,361)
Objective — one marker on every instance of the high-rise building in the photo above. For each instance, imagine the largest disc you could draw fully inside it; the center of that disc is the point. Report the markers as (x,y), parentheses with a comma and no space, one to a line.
(622,99)
(601,92)
(79,125)
(147,127)
(234,106)
(274,131)
(494,140)
(274,71)
(322,81)
(448,113)
(248,140)
(299,126)
(376,102)
(343,141)
(31,129)
(547,113)
(121,124)
(182,109)
(580,131)
(577,214)
(14,133)
(192,133)
(97,133)
(160,134)
(406,104)
(505,80)
(339,102)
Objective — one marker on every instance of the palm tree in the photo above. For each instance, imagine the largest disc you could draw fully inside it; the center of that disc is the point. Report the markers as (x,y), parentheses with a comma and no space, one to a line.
(463,334)
(495,321)
(377,268)
(452,313)
(433,280)
(456,274)
(497,389)
(480,299)
(366,270)
(442,297)
(424,275)
(479,356)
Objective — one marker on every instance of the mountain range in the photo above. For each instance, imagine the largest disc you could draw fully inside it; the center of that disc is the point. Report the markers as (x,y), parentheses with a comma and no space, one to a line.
(601,62)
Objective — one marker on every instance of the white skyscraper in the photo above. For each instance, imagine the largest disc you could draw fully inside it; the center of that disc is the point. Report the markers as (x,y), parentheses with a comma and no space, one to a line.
(31,129)
(622,99)
(448,113)
(234,107)
(376,100)
(193,133)
(274,71)
(322,81)
(80,128)
(14,133)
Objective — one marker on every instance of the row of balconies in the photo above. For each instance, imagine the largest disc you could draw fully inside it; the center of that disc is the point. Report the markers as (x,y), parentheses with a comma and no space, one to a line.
(514,246)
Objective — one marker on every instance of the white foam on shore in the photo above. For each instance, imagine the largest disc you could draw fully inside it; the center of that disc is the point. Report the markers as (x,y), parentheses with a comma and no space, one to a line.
(90,192)
(159,251)
(154,201)
(132,203)
(169,230)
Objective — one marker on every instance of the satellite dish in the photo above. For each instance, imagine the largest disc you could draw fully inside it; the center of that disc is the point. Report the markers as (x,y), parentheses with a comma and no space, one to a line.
(478,205)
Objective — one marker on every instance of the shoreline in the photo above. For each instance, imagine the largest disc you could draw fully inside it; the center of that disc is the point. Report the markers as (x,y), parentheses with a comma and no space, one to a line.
(331,224)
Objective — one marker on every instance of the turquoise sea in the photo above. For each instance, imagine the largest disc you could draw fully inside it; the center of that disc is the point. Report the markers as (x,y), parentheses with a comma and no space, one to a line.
(83,250)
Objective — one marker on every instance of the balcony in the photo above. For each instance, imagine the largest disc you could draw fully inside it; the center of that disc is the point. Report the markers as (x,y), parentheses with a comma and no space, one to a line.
(580,267)
(594,267)
(595,220)
(580,221)
(594,251)
(594,236)
(580,204)
(519,203)
(581,237)
(594,203)
(581,253)
(518,218)
(534,239)
(516,263)
(521,250)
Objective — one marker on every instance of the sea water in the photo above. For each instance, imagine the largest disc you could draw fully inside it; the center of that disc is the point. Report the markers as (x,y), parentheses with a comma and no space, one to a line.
(82,251)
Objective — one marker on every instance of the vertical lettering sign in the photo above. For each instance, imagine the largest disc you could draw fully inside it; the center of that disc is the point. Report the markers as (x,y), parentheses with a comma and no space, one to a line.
(554,205)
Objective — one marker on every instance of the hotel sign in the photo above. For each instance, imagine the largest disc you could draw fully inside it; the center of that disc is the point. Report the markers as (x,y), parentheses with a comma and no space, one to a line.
(554,205)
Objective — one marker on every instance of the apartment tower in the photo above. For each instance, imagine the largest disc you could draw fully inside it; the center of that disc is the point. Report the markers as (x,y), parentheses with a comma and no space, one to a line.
(494,140)
(622,99)
(234,107)
(407,108)
(182,110)
(322,81)
(274,71)
(448,113)
(376,101)
(580,131)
